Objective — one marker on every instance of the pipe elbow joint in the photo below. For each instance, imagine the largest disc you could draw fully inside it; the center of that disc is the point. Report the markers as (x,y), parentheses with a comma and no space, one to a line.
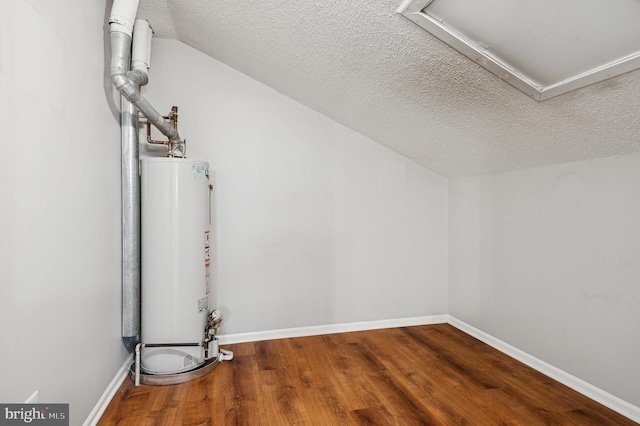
(126,88)
(138,77)
(119,80)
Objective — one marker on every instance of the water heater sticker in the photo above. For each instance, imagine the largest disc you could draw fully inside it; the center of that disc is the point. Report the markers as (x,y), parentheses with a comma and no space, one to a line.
(203,304)
(199,172)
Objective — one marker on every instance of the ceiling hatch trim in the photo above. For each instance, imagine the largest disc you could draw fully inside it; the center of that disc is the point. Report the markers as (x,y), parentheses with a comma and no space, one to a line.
(417,12)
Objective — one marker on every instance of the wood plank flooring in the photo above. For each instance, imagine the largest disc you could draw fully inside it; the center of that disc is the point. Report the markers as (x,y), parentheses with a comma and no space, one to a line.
(425,375)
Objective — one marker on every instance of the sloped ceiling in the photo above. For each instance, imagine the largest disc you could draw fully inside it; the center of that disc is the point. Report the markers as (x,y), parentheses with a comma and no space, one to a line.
(374,71)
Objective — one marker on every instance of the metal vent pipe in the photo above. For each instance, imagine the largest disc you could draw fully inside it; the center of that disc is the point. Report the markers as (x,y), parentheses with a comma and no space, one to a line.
(121,30)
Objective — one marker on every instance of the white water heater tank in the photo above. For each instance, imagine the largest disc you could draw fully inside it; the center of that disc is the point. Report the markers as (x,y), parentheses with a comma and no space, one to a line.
(175,253)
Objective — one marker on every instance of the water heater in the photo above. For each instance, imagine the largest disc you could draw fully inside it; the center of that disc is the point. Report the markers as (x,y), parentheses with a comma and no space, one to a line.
(176,257)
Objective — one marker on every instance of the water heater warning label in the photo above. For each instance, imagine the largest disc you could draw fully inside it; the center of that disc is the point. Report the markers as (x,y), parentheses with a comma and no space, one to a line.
(199,172)
(207,250)
(207,263)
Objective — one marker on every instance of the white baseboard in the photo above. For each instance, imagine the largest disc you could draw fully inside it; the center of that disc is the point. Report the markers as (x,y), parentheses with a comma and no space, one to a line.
(108,394)
(579,385)
(316,330)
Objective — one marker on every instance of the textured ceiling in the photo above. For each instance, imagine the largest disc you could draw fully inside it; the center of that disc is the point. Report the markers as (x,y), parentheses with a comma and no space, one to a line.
(374,71)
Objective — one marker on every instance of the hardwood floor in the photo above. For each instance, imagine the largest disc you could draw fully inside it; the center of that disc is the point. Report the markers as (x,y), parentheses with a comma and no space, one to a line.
(433,375)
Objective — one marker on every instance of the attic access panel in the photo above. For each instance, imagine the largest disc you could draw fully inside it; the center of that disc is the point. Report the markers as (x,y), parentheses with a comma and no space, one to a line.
(544,48)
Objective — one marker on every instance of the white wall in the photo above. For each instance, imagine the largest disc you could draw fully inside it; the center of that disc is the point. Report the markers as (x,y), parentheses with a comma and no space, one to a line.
(548,260)
(60,206)
(315,224)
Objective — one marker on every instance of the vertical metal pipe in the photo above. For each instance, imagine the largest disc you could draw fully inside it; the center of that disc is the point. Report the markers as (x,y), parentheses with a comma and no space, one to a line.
(130,198)
(130,225)
(131,215)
